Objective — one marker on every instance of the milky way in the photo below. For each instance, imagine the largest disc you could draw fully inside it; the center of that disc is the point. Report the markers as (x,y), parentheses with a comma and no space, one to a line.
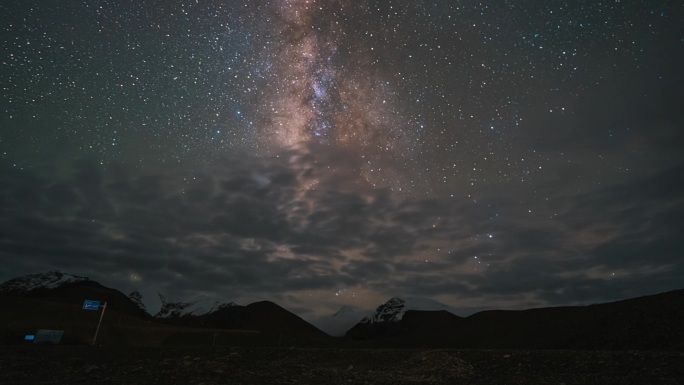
(322,91)
(435,99)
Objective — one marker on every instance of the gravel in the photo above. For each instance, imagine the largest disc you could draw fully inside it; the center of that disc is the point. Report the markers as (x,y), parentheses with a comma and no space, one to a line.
(30,364)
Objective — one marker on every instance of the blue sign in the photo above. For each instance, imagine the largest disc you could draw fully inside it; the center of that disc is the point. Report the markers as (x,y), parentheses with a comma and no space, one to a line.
(91,305)
(29,337)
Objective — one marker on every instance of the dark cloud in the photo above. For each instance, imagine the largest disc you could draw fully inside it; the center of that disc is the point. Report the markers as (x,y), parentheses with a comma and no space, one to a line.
(260,228)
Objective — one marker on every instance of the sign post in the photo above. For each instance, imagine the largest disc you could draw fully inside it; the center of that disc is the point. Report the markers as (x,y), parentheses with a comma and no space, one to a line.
(104,307)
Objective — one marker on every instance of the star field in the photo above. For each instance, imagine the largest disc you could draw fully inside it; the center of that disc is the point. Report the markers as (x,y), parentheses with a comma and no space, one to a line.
(461,135)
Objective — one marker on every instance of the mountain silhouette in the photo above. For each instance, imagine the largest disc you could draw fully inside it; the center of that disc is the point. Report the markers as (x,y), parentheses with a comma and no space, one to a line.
(54,300)
(648,323)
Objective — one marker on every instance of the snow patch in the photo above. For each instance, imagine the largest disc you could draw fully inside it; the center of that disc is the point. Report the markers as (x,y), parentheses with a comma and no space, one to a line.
(193,308)
(394,309)
(50,280)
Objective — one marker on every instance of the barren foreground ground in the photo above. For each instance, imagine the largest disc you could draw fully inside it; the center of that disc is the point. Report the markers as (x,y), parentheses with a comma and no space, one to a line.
(131,366)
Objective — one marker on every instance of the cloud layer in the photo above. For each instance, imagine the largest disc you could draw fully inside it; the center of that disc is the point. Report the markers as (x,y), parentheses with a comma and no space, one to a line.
(291,229)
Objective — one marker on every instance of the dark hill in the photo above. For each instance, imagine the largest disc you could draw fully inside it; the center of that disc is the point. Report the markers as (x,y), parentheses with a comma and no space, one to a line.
(415,324)
(261,316)
(75,293)
(21,315)
(650,322)
(264,316)
(54,301)
(258,324)
(647,323)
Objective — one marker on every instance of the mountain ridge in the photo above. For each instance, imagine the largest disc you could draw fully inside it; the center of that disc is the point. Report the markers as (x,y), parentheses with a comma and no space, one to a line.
(49,280)
(58,287)
(394,309)
(648,322)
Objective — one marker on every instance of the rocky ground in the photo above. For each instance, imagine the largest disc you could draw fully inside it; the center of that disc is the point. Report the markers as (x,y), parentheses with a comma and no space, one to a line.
(31,364)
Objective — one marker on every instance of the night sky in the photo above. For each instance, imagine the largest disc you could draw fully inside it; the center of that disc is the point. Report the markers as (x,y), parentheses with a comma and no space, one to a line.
(485,154)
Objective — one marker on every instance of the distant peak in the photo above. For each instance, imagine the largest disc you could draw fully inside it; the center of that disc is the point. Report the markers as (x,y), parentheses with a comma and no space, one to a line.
(390,311)
(265,304)
(49,280)
(225,305)
(194,308)
(394,309)
(341,311)
(136,297)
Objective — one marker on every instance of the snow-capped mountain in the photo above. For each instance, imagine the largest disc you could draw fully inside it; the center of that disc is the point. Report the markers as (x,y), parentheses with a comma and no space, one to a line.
(342,312)
(195,308)
(50,280)
(136,297)
(394,309)
(410,316)
(337,323)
